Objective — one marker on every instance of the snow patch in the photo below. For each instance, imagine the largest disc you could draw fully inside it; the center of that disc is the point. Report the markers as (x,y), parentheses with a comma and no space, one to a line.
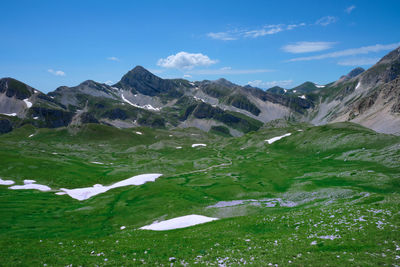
(28,104)
(319,86)
(6,182)
(31,135)
(274,139)
(179,222)
(35,118)
(30,184)
(198,98)
(88,192)
(196,145)
(148,107)
(358,85)
(178,147)
(294,91)
(303,97)
(96,162)
(139,133)
(10,114)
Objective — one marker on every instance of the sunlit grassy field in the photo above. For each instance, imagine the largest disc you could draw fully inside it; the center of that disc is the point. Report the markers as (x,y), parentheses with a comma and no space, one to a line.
(338,188)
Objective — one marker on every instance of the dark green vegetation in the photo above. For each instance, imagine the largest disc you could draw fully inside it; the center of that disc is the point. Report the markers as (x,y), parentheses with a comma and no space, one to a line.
(338,184)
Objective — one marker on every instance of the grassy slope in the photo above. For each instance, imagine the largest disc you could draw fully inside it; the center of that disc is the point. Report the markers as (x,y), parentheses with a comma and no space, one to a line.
(336,173)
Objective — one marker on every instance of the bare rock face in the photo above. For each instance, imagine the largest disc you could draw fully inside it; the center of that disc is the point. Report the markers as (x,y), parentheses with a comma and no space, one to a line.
(5,126)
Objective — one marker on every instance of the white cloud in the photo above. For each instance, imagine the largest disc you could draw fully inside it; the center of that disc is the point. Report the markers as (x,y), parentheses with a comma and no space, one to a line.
(292,26)
(324,21)
(358,61)
(227,71)
(349,9)
(253,33)
(187,76)
(350,52)
(305,47)
(113,58)
(56,72)
(267,30)
(266,85)
(184,60)
(225,36)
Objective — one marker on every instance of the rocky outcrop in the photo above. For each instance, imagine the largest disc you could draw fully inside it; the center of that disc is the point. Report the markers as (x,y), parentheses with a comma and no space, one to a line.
(5,126)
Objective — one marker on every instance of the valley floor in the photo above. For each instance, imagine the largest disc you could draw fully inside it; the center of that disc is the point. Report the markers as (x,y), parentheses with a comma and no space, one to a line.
(322,196)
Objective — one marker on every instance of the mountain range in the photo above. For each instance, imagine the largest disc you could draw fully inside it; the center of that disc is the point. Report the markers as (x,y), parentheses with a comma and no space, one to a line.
(367,97)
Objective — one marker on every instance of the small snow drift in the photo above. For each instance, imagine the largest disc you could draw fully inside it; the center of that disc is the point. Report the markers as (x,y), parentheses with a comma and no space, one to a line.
(179,222)
(196,145)
(139,133)
(30,184)
(28,104)
(6,182)
(88,192)
(303,97)
(274,139)
(10,114)
(97,162)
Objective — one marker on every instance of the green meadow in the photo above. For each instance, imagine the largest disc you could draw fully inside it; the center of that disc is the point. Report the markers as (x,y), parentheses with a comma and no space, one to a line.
(323,196)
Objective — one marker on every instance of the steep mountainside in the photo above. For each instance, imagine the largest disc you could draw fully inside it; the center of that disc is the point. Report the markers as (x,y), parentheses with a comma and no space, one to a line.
(370,98)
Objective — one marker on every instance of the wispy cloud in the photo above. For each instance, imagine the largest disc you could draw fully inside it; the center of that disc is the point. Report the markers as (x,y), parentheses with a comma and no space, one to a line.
(253,33)
(224,36)
(56,72)
(266,85)
(185,61)
(305,47)
(227,71)
(186,76)
(266,30)
(358,61)
(350,52)
(113,58)
(325,21)
(349,9)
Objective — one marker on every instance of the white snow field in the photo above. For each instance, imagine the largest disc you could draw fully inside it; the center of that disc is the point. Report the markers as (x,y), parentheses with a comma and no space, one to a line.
(6,182)
(30,184)
(196,145)
(179,222)
(88,192)
(10,114)
(274,139)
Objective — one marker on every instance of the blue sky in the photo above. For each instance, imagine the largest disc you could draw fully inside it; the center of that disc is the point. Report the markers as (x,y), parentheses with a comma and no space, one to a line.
(47,44)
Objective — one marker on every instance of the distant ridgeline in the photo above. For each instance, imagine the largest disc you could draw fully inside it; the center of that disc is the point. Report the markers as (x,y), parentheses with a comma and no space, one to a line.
(367,97)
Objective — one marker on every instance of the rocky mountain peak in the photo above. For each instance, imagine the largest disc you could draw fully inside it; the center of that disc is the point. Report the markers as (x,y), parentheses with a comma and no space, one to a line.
(12,87)
(355,72)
